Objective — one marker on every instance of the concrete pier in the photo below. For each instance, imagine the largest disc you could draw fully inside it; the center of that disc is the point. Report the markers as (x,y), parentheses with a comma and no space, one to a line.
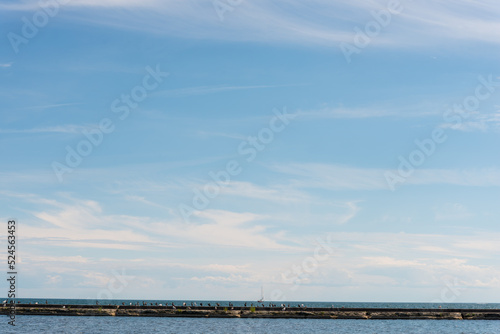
(252,312)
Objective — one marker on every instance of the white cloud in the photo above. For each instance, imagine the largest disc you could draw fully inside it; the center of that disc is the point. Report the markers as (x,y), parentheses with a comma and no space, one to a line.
(222,228)
(83,224)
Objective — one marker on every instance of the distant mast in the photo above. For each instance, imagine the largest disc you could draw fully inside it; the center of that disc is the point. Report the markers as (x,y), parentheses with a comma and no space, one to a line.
(261,295)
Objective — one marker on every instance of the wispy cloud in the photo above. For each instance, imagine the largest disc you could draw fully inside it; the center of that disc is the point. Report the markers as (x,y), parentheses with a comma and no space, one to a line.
(72,129)
(418,106)
(452,212)
(221,228)
(5,65)
(319,22)
(326,176)
(368,112)
(48,106)
(203,90)
(333,176)
(206,134)
(345,113)
(83,223)
(271,193)
(29,5)
(478,122)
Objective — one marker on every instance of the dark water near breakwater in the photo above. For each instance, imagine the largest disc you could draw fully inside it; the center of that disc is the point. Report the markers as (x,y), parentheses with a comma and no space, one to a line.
(71,324)
(266,303)
(63,324)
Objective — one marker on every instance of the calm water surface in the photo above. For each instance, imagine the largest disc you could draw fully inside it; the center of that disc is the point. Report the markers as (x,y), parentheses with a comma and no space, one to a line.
(63,324)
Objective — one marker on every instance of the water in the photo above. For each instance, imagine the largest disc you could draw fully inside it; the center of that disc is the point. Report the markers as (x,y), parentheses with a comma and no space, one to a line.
(241,303)
(63,324)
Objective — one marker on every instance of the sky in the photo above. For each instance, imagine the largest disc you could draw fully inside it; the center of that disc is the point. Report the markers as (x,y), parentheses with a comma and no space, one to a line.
(321,150)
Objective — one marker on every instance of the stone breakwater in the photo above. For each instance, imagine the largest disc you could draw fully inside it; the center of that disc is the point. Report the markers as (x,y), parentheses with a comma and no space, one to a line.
(254,312)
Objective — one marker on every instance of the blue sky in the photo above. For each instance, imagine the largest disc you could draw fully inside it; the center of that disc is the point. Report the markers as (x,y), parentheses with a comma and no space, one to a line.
(318,145)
